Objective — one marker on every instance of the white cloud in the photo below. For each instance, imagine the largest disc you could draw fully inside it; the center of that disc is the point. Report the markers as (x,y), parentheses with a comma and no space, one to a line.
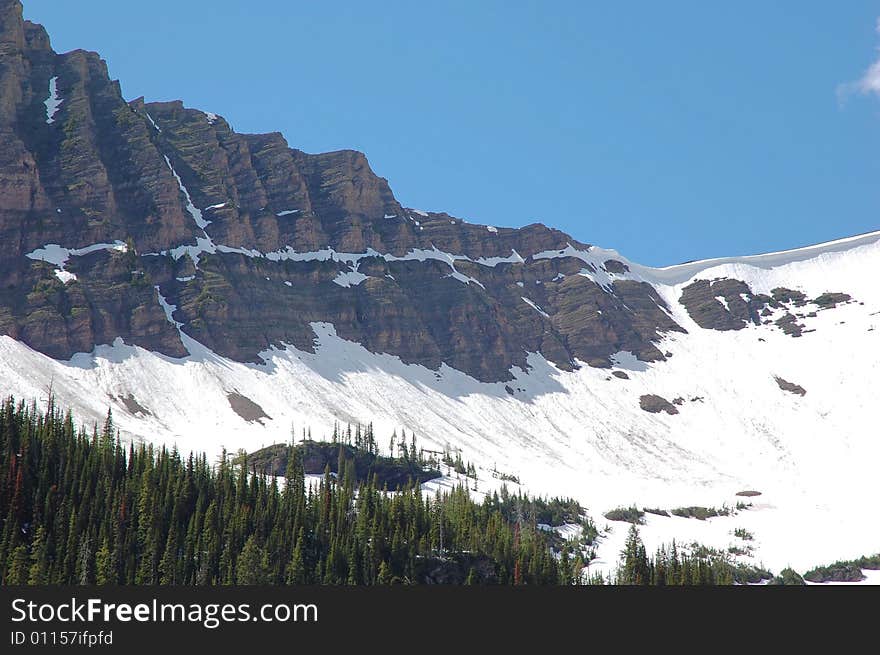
(868,83)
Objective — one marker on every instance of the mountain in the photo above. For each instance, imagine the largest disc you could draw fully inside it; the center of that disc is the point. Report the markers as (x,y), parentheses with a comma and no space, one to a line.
(200,281)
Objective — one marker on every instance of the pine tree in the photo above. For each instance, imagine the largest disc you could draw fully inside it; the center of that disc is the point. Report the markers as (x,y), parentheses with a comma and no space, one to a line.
(104,573)
(19,566)
(636,569)
(296,570)
(249,567)
(38,574)
(384,577)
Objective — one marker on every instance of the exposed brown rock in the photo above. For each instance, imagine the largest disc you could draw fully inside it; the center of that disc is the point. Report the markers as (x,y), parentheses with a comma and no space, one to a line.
(614,266)
(655,404)
(246,408)
(739,307)
(99,173)
(781,295)
(831,300)
(106,301)
(788,324)
(726,304)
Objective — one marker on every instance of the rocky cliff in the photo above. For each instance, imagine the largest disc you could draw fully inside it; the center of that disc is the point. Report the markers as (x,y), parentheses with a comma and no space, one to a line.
(112,212)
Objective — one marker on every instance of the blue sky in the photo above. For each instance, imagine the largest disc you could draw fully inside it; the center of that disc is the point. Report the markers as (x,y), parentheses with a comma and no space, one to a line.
(670,131)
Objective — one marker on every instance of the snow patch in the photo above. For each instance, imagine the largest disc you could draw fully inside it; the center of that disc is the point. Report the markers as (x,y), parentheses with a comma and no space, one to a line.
(535,307)
(53,102)
(513,258)
(594,258)
(169,309)
(203,245)
(64,276)
(153,123)
(53,253)
(626,360)
(349,278)
(194,211)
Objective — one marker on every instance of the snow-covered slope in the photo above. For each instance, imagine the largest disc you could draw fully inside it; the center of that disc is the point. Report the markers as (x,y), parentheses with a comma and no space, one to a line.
(813,457)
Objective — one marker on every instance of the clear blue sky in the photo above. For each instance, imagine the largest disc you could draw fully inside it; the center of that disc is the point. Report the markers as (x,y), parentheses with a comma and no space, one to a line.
(670,131)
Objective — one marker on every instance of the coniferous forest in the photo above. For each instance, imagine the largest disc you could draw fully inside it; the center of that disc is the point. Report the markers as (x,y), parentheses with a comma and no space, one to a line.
(79,507)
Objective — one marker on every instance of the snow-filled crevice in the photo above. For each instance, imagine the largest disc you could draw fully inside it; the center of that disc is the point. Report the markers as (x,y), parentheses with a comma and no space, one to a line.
(53,102)
(194,211)
(153,123)
(534,306)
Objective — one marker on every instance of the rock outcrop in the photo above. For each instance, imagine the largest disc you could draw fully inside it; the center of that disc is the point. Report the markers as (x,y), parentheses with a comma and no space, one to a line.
(791,387)
(728,304)
(655,404)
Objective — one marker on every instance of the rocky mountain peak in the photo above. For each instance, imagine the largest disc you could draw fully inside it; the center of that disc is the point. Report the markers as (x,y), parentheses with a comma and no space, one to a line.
(112,212)
(36,37)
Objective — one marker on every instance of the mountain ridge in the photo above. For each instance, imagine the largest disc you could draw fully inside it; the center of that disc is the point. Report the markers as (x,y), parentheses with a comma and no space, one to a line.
(197,205)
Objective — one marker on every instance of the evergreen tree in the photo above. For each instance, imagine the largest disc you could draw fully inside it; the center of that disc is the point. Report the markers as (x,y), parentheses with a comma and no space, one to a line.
(249,567)
(296,569)
(19,566)
(636,568)
(38,574)
(384,577)
(104,573)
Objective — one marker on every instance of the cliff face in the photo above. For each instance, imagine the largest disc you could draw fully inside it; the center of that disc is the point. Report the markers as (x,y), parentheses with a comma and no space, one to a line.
(112,212)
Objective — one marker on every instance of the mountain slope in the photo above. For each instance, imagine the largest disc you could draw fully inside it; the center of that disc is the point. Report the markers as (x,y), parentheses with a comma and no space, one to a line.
(215,289)
(582,432)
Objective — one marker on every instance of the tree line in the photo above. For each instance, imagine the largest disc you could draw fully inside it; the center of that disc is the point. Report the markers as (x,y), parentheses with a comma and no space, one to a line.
(79,507)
